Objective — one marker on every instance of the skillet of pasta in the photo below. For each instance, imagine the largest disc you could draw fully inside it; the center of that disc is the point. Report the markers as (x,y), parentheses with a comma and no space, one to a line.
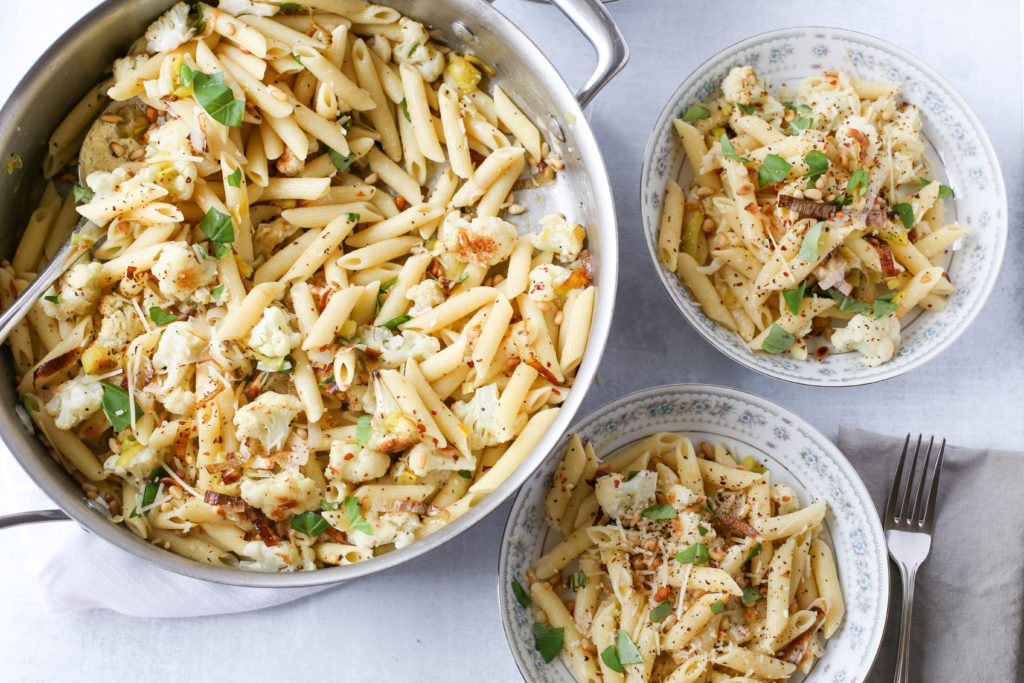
(308,334)
(681,565)
(812,216)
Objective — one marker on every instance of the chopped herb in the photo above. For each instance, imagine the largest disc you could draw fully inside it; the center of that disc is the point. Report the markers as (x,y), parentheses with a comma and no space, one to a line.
(462,278)
(750,595)
(798,108)
(626,649)
(117,407)
(195,18)
(702,530)
(186,75)
(297,58)
(324,505)
(746,108)
(465,474)
(710,509)
(134,513)
(217,291)
(522,597)
(288,6)
(217,99)
(341,161)
(52,299)
(327,382)
(695,113)
(611,659)
(412,49)
(397,320)
(753,465)
(663,609)
(809,245)
(842,200)
(754,551)
(798,124)
(883,306)
(548,641)
(695,554)
(817,164)
(730,152)
(160,316)
(772,170)
(352,217)
(778,340)
(858,183)
(82,195)
(718,607)
(659,512)
(944,190)
(578,580)
(404,106)
(149,492)
(363,429)
(350,341)
(794,297)
(849,304)
(356,522)
(235,179)
(906,213)
(26,402)
(631,474)
(310,523)
(218,227)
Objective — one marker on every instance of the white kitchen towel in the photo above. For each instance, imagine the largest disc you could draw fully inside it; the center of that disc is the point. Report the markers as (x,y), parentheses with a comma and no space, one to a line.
(75,570)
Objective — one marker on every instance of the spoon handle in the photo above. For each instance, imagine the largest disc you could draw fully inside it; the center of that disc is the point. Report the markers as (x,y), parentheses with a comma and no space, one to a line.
(62,260)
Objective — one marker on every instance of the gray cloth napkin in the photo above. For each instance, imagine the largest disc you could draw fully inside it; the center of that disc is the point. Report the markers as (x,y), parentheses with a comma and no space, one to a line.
(969,597)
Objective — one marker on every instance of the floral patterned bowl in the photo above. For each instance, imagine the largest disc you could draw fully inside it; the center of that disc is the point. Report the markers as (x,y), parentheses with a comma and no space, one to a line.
(794,452)
(957,147)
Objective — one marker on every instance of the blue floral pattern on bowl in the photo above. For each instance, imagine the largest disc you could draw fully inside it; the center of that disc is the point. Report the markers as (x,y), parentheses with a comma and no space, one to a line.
(801,457)
(958,149)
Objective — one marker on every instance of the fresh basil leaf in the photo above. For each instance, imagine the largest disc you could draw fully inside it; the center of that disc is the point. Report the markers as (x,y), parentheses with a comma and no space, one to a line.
(548,641)
(809,245)
(730,152)
(702,530)
(778,340)
(310,523)
(397,320)
(185,72)
(217,99)
(626,649)
(695,554)
(404,106)
(522,597)
(286,366)
(325,506)
(465,474)
(631,474)
(218,227)
(217,291)
(388,285)
(117,407)
(711,510)
(750,595)
(356,521)
(695,113)
(82,195)
(944,190)
(663,609)
(203,254)
(289,6)
(799,124)
(221,250)
(363,430)
(611,659)
(235,179)
(772,170)
(849,304)
(883,306)
(149,492)
(52,299)
(858,183)
(160,316)
(794,297)
(746,108)
(817,164)
(298,59)
(350,341)
(717,607)
(341,161)
(659,512)
(352,217)
(578,580)
(906,213)
(797,108)
(754,551)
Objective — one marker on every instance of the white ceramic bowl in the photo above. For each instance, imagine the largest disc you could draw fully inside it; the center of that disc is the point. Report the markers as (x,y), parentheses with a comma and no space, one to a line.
(795,453)
(957,147)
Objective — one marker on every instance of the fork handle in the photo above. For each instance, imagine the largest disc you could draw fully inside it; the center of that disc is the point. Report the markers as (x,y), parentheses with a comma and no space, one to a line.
(908,575)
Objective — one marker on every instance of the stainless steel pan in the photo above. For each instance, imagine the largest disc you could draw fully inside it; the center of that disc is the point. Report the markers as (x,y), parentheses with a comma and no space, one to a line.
(78,60)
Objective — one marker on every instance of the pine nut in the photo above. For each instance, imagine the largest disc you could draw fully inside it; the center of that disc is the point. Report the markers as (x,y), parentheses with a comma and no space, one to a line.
(543,306)
(228,29)
(820,182)
(137,154)
(555,162)
(813,193)
(705,191)
(708,225)
(559,317)
(110,118)
(117,149)
(278,94)
(516,209)
(799,194)
(371,179)
(790,115)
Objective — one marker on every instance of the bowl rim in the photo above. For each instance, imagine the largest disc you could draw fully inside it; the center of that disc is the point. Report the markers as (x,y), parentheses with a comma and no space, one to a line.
(1001,226)
(874,520)
(53,480)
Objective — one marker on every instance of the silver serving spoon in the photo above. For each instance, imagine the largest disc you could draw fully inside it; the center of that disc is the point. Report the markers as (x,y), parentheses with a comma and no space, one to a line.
(105,147)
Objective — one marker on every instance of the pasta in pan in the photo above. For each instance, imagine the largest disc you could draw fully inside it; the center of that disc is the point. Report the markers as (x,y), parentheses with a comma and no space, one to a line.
(807,214)
(680,565)
(309,335)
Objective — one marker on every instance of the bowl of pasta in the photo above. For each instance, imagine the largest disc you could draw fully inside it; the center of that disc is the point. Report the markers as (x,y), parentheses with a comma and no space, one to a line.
(348,277)
(823,207)
(691,533)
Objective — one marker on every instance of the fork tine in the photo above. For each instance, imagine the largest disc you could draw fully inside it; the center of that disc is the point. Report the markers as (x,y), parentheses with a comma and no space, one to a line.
(894,490)
(929,504)
(918,514)
(909,491)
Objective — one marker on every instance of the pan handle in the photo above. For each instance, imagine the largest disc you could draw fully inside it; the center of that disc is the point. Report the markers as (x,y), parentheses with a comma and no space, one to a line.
(594,22)
(32,517)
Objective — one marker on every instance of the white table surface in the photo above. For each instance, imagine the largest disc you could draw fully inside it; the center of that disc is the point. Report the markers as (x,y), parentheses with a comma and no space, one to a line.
(436,619)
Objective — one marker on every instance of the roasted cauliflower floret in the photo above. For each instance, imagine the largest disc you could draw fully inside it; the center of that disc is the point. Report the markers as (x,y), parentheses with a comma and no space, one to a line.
(355,464)
(396,348)
(559,236)
(283,557)
(179,347)
(134,460)
(485,241)
(389,527)
(831,98)
(180,273)
(545,279)
(73,402)
(170,30)
(620,499)
(876,340)
(415,50)
(283,494)
(479,415)
(273,336)
(268,419)
(119,324)
(80,289)
(166,145)
(424,295)
(260,9)
(741,86)
(422,459)
(394,433)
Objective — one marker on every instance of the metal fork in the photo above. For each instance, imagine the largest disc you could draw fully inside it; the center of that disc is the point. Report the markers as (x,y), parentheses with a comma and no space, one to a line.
(908,533)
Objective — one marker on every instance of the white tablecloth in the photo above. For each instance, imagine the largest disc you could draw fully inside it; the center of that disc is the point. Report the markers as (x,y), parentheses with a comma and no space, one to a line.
(436,619)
